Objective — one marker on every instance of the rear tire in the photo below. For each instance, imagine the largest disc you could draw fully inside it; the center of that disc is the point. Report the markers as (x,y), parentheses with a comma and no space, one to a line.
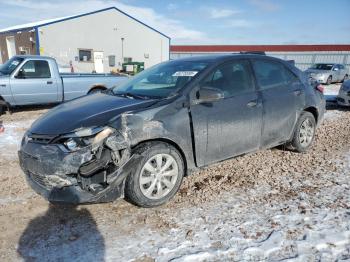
(304,133)
(329,80)
(157,177)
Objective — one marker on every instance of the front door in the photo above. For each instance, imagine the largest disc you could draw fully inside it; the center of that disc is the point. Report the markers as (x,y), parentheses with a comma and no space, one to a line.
(232,125)
(283,99)
(98,60)
(34,83)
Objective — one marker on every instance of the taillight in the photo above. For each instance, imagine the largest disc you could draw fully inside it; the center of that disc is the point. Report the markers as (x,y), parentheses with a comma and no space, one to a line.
(320,88)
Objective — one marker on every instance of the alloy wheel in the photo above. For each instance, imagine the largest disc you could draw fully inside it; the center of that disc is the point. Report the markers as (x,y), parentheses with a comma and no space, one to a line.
(306,133)
(158,176)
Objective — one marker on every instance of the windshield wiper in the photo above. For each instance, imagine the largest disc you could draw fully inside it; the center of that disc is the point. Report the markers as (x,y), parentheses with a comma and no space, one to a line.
(130,95)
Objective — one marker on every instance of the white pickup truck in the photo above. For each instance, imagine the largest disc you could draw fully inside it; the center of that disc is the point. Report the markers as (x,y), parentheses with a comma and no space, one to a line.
(30,80)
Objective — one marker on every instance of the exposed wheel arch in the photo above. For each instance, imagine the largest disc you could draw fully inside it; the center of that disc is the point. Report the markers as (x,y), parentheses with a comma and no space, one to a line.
(313,111)
(96,88)
(166,141)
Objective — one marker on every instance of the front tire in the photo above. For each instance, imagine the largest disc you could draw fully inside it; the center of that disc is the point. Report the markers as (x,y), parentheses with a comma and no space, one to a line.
(329,80)
(157,177)
(304,133)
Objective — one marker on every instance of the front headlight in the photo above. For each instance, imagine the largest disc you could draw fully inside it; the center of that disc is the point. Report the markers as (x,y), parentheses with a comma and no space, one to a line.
(85,137)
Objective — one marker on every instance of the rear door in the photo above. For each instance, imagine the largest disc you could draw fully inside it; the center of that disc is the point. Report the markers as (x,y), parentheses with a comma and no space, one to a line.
(283,98)
(34,83)
(232,125)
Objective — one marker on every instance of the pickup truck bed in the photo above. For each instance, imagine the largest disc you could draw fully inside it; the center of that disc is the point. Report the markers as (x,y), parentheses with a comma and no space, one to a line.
(30,80)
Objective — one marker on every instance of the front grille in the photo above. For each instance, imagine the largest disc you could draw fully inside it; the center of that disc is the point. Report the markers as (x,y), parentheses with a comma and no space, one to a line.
(41,139)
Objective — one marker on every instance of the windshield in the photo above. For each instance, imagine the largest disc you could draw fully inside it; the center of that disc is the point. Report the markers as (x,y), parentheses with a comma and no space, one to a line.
(10,65)
(161,80)
(322,66)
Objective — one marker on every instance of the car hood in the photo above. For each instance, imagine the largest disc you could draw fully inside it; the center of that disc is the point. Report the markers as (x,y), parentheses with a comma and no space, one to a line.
(315,71)
(87,111)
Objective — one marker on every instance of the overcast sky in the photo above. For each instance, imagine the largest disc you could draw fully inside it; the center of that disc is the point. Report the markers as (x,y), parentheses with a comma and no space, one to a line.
(210,22)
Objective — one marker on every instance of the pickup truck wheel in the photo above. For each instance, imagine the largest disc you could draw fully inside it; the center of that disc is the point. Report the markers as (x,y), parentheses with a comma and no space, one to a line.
(329,80)
(95,91)
(157,177)
(304,132)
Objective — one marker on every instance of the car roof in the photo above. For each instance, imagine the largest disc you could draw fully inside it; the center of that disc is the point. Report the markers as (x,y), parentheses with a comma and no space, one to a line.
(222,57)
(34,56)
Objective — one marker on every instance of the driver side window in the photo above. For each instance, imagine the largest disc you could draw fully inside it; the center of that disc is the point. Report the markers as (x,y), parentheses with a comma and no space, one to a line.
(35,69)
(232,78)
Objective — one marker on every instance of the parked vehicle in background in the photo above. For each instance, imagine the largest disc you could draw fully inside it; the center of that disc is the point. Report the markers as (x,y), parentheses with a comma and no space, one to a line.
(327,73)
(29,80)
(343,98)
(143,137)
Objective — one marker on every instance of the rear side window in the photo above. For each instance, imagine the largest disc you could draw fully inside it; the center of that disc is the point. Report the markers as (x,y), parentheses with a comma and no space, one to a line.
(35,69)
(272,74)
(232,78)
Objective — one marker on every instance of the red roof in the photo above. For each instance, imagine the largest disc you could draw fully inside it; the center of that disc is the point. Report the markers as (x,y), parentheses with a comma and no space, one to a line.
(267,48)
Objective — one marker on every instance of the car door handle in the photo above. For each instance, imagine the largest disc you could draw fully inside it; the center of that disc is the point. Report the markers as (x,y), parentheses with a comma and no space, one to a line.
(3,85)
(49,82)
(252,103)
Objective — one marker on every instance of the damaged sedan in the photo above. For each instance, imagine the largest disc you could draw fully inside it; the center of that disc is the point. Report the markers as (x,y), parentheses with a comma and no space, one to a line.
(140,139)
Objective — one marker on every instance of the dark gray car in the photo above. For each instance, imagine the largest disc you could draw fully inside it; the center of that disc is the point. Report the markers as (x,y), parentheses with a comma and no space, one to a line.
(142,138)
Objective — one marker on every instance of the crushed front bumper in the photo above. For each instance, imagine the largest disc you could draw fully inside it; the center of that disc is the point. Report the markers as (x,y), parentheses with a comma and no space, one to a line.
(54,174)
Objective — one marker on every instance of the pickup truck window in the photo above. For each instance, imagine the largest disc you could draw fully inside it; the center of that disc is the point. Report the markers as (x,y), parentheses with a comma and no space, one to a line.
(232,78)
(161,80)
(10,65)
(35,69)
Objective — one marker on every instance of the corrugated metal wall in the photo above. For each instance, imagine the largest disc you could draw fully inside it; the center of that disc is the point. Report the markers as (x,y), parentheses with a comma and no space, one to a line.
(303,60)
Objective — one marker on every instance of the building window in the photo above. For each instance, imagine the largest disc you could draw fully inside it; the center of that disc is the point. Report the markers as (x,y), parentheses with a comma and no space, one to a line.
(127,59)
(111,60)
(85,55)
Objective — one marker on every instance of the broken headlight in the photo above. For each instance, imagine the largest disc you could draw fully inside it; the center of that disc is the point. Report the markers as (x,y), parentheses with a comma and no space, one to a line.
(85,137)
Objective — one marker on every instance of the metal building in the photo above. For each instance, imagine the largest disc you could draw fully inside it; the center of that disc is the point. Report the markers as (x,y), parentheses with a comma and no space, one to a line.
(303,55)
(97,41)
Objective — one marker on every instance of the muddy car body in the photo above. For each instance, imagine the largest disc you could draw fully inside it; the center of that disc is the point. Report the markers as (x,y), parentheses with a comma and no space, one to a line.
(343,97)
(142,138)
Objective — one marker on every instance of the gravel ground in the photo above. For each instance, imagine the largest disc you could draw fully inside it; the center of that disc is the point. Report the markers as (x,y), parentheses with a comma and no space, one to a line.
(267,206)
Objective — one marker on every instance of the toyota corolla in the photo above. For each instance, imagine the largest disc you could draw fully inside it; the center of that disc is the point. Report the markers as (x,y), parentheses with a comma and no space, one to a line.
(140,139)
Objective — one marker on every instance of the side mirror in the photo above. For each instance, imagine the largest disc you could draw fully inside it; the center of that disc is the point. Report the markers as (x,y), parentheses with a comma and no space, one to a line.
(208,94)
(20,74)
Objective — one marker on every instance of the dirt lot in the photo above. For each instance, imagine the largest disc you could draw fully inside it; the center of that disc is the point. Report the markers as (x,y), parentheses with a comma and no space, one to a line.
(270,205)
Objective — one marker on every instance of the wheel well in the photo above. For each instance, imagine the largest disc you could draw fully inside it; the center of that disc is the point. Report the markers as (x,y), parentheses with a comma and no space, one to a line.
(170,142)
(97,87)
(313,111)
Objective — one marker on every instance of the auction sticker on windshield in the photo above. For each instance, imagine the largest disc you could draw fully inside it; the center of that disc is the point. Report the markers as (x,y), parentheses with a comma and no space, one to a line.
(185,73)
